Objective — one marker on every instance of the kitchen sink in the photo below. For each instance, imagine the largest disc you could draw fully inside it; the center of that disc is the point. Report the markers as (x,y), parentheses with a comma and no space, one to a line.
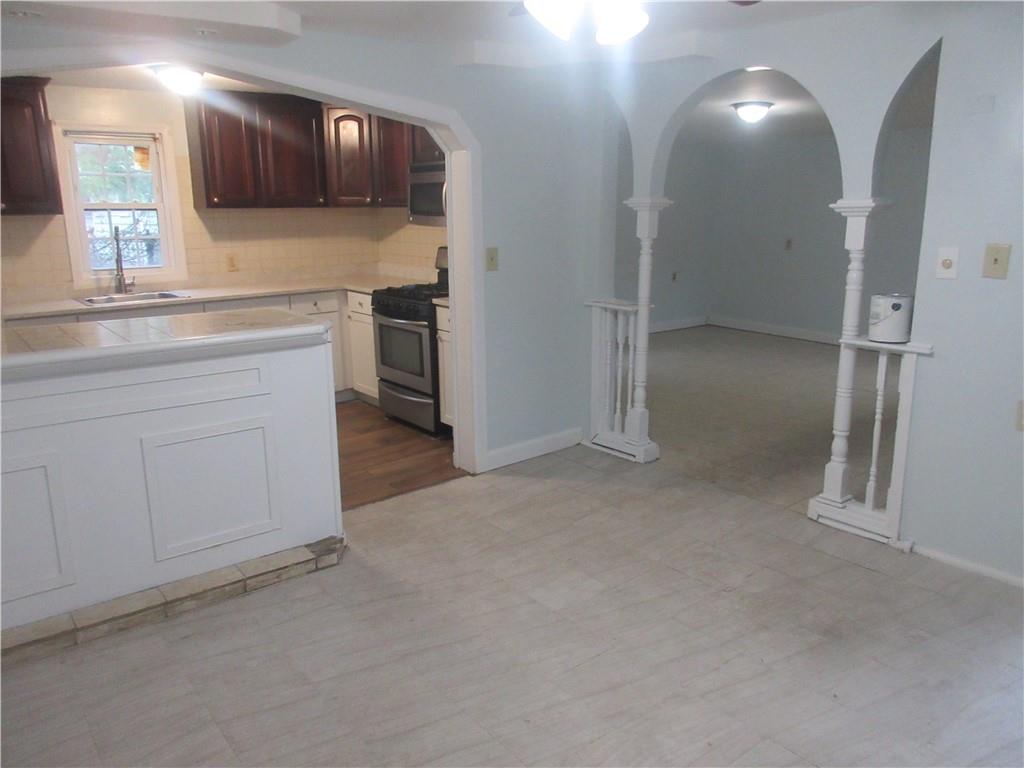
(132,298)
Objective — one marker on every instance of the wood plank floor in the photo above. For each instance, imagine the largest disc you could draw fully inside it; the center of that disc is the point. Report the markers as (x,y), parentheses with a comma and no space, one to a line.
(381,458)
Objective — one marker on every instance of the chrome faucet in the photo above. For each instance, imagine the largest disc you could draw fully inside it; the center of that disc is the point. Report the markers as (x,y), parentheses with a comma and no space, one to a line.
(121,283)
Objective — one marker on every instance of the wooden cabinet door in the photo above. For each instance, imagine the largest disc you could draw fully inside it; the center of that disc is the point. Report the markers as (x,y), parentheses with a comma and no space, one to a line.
(29,175)
(390,162)
(349,152)
(291,157)
(425,154)
(228,145)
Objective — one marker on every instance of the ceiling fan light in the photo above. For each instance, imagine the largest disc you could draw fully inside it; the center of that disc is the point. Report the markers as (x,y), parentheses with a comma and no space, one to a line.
(559,17)
(618,20)
(179,79)
(752,111)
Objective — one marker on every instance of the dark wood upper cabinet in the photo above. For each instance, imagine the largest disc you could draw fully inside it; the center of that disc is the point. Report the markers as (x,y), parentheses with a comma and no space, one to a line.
(227,142)
(349,153)
(29,161)
(390,162)
(291,159)
(425,154)
(267,150)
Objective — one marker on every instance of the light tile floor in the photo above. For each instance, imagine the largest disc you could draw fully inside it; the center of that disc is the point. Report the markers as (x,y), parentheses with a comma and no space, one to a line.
(570,610)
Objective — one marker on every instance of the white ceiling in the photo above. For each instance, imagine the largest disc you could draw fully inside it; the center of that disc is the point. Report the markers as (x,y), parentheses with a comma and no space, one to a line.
(452,25)
(795,110)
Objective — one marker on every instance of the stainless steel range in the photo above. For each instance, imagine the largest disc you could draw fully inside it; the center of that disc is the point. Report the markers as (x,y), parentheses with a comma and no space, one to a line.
(404,326)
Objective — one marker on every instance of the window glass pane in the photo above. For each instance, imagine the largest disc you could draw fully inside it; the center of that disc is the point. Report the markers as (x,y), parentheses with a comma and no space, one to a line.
(141,190)
(101,253)
(140,254)
(124,221)
(115,173)
(119,158)
(97,224)
(89,158)
(146,224)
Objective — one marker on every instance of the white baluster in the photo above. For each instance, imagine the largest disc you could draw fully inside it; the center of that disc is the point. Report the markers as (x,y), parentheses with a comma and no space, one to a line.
(620,343)
(609,367)
(836,485)
(632,359)
(871,493)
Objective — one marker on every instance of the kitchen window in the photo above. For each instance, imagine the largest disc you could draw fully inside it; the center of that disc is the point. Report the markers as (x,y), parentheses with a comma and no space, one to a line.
(120,192)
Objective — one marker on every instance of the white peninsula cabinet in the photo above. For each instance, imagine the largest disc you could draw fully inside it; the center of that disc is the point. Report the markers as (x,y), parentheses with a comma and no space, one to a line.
(137,452)
(362,345)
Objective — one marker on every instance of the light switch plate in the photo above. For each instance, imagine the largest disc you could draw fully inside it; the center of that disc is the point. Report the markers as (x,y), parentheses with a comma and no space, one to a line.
(997,261)
(949,259)
(492,259)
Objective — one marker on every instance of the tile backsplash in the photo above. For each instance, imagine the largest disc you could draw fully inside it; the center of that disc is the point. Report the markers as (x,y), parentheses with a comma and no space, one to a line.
(234,247)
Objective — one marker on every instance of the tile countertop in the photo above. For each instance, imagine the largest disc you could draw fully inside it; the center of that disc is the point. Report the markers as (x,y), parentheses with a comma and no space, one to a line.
(363,283)
(31,340)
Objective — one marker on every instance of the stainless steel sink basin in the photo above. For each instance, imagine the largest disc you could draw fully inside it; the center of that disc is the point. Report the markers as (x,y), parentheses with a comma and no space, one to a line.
(132,298)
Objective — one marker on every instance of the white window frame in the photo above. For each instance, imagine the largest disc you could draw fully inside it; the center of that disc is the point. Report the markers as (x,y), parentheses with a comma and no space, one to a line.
(172,240)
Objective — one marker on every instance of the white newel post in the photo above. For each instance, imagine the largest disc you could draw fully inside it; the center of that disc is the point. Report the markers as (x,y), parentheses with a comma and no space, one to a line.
(638,418)
(837,481)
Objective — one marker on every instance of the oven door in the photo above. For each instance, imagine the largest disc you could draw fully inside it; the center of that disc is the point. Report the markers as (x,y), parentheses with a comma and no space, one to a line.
(428,198)
(403,352)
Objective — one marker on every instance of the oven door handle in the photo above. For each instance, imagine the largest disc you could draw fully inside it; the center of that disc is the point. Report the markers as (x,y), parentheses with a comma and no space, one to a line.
(420,323)
(404,396)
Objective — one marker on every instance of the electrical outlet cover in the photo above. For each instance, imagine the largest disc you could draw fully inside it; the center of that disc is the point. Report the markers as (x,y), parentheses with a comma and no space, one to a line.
(949,258)
(997,261)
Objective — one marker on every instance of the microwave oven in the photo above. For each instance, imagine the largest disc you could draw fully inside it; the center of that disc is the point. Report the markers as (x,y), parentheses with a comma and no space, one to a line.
(428,191)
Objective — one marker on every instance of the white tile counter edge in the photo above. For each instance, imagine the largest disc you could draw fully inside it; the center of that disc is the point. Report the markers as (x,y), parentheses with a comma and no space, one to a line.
(361,283)
(263,335)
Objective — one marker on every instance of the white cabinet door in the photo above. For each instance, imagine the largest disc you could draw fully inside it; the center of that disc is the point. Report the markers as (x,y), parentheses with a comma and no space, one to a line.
(337,354)
(446,376)
(364,356)
(322,307)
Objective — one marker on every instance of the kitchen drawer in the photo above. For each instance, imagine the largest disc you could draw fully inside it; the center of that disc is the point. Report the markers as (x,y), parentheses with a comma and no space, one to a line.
(314,303)
(359,302)
(444,320)
(252,302)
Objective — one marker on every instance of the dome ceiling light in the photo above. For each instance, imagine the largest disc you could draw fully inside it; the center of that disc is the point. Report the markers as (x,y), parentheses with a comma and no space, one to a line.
(752,111)
(182,81)
(616,21)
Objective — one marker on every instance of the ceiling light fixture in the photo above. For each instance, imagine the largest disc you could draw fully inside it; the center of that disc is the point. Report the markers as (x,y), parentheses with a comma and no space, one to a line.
(179,79)
(758,68)
(558,17)
(752,111)
(618,20)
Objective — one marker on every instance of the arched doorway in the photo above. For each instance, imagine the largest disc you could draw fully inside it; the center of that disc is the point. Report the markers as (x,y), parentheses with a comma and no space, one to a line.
(747,292)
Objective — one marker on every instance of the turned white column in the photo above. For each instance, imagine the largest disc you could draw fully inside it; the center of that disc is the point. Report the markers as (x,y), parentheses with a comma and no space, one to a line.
(638,417)
(837,480)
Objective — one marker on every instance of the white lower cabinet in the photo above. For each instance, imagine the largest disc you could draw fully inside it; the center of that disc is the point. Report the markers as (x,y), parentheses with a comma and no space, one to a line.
(324,307)
(363,349)
(445,366)
(446,377)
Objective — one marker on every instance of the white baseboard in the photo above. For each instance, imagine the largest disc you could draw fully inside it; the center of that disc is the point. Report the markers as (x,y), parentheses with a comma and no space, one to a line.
(970,565)
(773,330)
(678,324)
(529,449)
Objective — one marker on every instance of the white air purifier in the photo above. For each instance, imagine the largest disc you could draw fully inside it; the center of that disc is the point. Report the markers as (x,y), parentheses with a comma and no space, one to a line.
(889,321)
